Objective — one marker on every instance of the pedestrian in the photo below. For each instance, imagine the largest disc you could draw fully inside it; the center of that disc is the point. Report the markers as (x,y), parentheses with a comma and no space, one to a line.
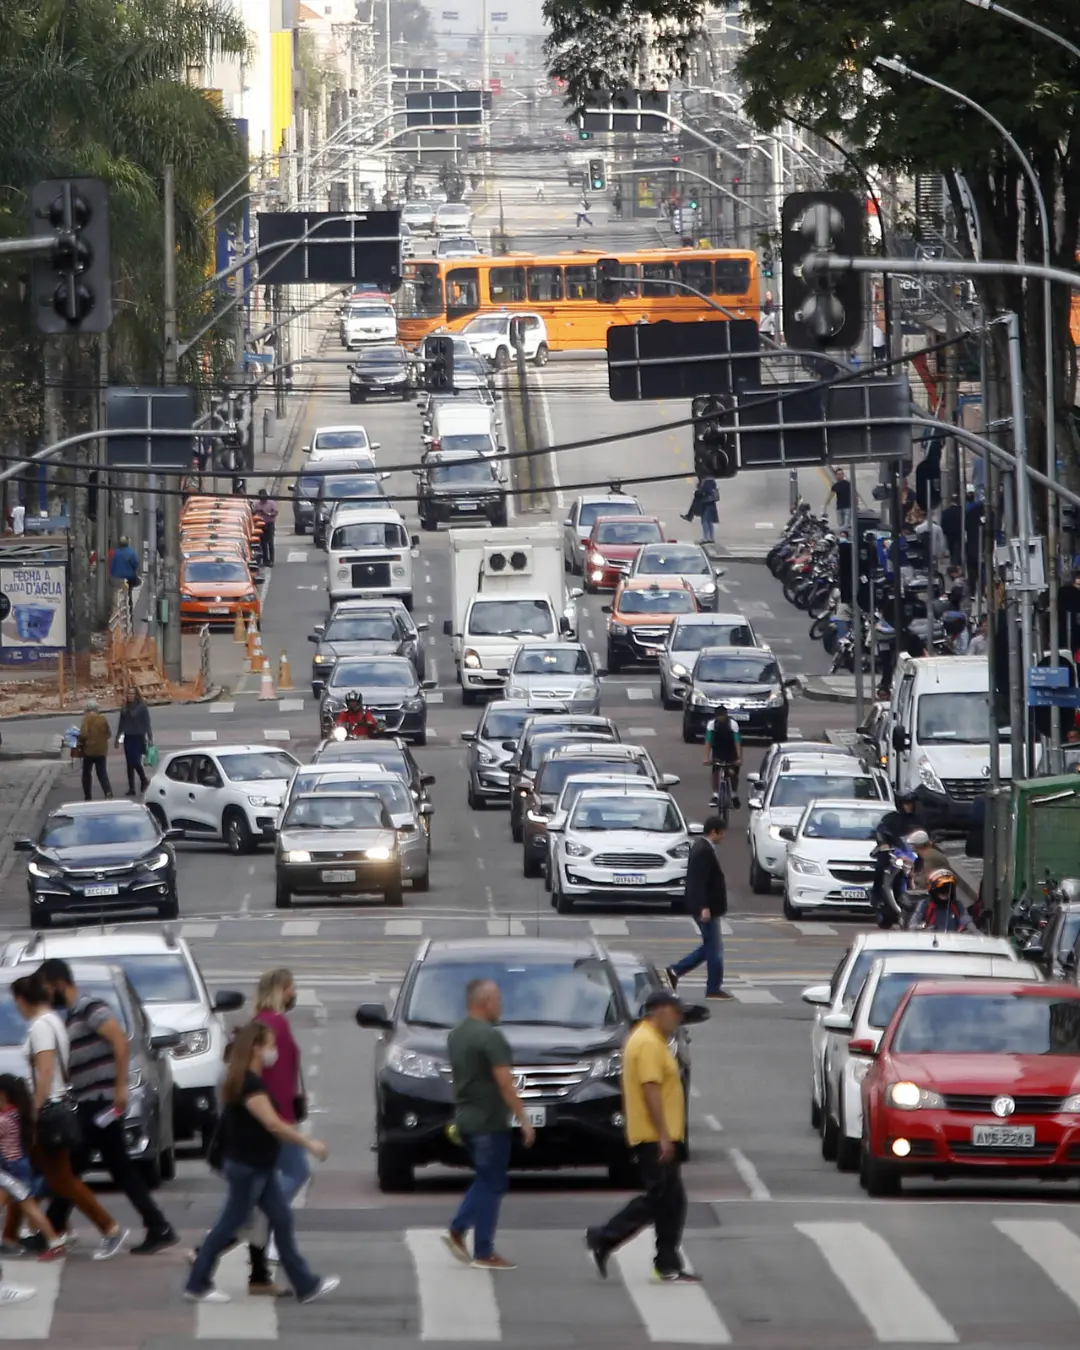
(695,503)
(907,497)
(709,496)
(124,565)
(952,526)
(978,644)
(616,202)
(47,1053)
(485,1101)
(705,900)
(98,1070)
(251,1135)
(133,725)
(583,212)
(267,511)
(840,492)
(539,192)
(767,324)
(17,1176)
(93,744)
(18,519)
(654,1105)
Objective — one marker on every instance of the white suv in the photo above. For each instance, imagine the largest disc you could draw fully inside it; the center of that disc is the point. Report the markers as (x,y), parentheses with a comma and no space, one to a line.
(167,979)
(229,792)
(490,337)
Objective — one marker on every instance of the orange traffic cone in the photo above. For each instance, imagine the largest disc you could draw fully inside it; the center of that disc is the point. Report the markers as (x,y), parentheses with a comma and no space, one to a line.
(252,634)
(257,661)
(266,685)
(239,634)
(284,674)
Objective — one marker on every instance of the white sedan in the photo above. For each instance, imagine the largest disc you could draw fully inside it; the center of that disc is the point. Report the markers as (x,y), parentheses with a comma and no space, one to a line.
(830,856)
(229,792)
(619,843)
(889,979)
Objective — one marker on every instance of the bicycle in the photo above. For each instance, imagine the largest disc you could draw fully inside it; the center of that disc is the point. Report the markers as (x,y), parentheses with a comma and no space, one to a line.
(724,791)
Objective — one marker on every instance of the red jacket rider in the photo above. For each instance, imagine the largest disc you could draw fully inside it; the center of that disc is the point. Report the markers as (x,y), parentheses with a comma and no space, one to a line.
(355,718)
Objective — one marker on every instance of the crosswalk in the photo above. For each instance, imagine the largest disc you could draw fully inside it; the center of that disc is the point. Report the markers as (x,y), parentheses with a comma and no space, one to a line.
(886,1277)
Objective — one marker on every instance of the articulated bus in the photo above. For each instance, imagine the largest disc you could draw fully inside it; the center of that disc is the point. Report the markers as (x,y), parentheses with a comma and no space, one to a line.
(447,293)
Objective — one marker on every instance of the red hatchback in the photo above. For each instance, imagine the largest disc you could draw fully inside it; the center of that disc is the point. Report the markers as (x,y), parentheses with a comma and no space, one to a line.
(613,545)
(974,1077)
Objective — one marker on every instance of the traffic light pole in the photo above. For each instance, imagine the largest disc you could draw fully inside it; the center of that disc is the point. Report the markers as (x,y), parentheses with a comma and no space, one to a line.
(169,595)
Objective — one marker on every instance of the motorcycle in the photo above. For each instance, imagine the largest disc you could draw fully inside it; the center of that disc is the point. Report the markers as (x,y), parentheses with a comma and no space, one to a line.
(340,731)
(895,901)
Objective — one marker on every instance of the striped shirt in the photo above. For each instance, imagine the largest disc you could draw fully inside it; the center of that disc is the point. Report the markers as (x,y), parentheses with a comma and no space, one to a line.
(11,1148)
(91,1063)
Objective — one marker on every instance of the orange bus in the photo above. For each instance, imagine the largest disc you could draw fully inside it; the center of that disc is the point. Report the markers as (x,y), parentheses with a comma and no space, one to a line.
(446,293)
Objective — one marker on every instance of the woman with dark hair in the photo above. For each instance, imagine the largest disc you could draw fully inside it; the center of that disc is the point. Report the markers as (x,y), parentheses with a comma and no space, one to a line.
(251,1133)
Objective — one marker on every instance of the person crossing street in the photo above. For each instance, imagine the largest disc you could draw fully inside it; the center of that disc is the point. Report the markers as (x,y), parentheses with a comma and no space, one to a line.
(134,727)
(267,511)
(706,903)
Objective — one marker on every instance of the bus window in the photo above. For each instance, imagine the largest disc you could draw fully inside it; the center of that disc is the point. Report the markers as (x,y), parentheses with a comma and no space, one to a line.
(697,273)
(732,276)
(581,283)
(545,283)
(421,296)
(631,292)
(462,291)
(506,285)
(658,271)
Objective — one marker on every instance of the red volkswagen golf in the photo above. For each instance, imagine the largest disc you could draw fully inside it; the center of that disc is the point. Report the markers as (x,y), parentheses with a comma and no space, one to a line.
(974,1077)
(613,545)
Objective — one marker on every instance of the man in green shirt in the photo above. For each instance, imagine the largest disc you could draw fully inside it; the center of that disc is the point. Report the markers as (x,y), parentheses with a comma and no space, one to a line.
(487,1103)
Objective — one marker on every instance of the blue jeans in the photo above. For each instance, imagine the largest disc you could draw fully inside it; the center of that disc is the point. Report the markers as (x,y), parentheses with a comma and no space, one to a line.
(293,1170)
(708,521)
(711,951)
(250,1188)
(479,1208)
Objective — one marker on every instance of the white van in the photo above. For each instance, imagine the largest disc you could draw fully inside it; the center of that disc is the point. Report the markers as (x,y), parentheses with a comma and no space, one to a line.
(369,555)
(939,733)
(465,419)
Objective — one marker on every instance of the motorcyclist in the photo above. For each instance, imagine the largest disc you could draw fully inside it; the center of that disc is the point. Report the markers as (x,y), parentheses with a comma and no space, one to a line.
(941,908)
(357,720)
(892,829)
(931,860)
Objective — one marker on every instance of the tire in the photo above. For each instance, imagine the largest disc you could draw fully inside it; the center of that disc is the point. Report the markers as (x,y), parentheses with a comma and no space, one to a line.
(790,912)
(541,357)
(282,897)
(406,396)
(819,627)
(475,803)
(789,592)
(422,883)
(876,1178)
(159,816)
(300,529)
(668,703)
(420,738)
(237,833)
(393,895)
(847,1150)
(502,358)
(563,903)
(469,697)
(815,1114)
(688,733)
(820,603)
(779,730)
(354,397)
(546,873)
(206,1134)
(760,881)
(830,1133)
(529,866)
(517,830)
(40,919)
(167,1164)
(393,1171)
(426,523)
(614,664)
(500,519)
(170,910)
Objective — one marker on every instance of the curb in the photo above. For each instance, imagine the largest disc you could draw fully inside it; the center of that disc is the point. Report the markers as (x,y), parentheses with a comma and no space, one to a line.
(210,696)
(823,694)
(19,824)
(729,556)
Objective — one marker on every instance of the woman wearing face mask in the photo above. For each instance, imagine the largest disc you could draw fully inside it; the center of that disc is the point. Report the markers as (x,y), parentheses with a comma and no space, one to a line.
(252,1134)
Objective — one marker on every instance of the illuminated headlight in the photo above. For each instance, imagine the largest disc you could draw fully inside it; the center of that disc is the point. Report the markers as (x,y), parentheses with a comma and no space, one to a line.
(378,854)
(617,629)
(321,660)
(804,866)
(398,571)
(680,850)
(297,855)
(343,574)
(708,588)
(36,870)
(191,1043)
(339,734)
(157,862)
(774,832)
(911,1097)
(775,700)
(471,659)
(596,560)
(699,700)
(607,1066)
(576,850)
(1071,1104)
(262,801)
(928,776)
(596,575)
(679,670)
(412,1064)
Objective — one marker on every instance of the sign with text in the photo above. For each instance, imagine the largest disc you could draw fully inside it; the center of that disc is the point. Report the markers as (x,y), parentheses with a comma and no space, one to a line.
(33,612)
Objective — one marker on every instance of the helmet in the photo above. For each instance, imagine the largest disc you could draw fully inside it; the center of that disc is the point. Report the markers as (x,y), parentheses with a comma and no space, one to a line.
(940,880)
(906,798)
(1070,890)
(353,701)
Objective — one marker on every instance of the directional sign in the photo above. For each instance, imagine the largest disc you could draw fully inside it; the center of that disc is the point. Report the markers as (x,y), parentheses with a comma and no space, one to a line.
(1048,677)
(626,110)
(1054,698)
(445,108)
(681,360)
(168,408)
(364,247)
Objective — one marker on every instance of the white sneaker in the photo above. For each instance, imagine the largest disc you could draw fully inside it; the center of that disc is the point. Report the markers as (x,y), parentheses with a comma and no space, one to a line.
(211,1296)
(326,1286)
(10,1294)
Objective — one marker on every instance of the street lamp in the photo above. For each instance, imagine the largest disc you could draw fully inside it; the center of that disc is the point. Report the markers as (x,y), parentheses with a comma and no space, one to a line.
(995,8)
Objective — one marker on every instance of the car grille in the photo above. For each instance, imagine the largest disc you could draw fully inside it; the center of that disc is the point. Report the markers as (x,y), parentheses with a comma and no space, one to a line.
(629,860)
(965,789)
(649,636)
(852,874)
(346,856)
(370,574)
(1038,1151)
(980,1104)
(549,1080)
(91,872)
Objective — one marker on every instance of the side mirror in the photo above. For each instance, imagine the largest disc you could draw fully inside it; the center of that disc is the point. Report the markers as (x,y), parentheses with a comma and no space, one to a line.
(448,628)
(426,809)
(694,1013)
(787,832)
(314,637)
(670,780)
(290,487)
(600,672)
(468,737)
(373,1016)
(695,827)
(318,688)
(754,803)
(319,628)
(24,846)
(1035,951)
(838,1021)
(864,1048)
(165,1040)
(228,1000)
(565,626)
(422,626)
(792,682)
(605,609)
(900,739)
(817,995)
(429,684)
(753,778)
(377,445)
(174,833)
(575,592)
(427,780)
(306,449)
(414,540)
(568,524)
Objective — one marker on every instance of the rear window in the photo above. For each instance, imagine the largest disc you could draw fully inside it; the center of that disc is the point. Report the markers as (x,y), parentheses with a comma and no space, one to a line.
(793,790)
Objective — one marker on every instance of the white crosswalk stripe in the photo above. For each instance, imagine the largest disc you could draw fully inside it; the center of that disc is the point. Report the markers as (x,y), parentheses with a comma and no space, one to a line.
(245,1318)
(1050,1245)
(455,1305)
(675,1315)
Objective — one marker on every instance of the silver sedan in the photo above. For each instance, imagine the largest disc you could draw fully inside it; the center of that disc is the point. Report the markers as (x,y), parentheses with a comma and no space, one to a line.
(555,676)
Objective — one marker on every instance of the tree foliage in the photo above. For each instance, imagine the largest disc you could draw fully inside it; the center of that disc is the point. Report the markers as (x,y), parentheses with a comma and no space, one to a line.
(410,24)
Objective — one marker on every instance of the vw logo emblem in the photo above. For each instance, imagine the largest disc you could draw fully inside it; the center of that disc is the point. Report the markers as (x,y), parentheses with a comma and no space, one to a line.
(100,876)
(1003,1106)
(986,770)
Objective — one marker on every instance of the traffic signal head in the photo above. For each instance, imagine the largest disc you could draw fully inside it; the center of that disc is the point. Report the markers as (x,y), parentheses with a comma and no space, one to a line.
(608,272)
(597,177)
(824,310)
(714,444)
(71,284)
(584,135)
(439,365)
(676,159)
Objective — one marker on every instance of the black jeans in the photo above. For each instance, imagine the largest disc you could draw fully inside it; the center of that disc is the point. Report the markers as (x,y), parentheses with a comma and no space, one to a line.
(95,764)
(268,542)
(109,1142)
(663,1205)
(134,750)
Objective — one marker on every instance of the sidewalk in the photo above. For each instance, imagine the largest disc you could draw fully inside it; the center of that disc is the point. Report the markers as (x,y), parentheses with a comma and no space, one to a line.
(835,688)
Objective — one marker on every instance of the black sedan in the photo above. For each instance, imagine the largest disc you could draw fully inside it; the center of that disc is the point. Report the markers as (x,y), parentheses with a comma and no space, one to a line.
(565,1012)
(452,488)
(388,685)
(101,858)
(747,681)
(374,632)
(380,371)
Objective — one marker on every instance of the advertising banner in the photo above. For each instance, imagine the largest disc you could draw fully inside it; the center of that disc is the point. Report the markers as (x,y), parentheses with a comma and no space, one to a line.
(33,612)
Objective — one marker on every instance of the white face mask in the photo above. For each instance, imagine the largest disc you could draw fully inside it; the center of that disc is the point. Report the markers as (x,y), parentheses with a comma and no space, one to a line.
(269,1058)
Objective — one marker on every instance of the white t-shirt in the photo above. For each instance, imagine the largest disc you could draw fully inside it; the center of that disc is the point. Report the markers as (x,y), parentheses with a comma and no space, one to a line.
(18,519)
(48,1032)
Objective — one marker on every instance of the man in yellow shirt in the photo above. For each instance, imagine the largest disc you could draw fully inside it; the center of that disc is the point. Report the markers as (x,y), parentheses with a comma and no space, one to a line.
(655,1108)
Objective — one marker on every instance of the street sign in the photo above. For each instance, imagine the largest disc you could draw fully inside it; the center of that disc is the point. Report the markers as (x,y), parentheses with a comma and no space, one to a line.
(170,408)
(1053,698)
(444,108)
(1048,677)
(450,14)
(369,250)
(681,360)
(498,16)
(626,110)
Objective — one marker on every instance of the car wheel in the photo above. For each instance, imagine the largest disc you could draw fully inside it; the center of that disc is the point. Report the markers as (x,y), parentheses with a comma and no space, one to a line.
(564,903)
(688,733)
(847,1150)
(159,816)
(760,881)
(502,358)
(625,1174)
(40,919)
(517,830)
(393,1170)
(546,871)
(541,357)
(779,730)
(237,832)
(420,738)
(666,701)
(790,911)
(815,1114)
(171,909)
(422,883)
(830,1133)
(282,897)
(614,665)
(406,396)
(354,397)
(877,1179)
(476,803)
(167,1164)
(299,528)
(469,697)
(529,866)
(393,895)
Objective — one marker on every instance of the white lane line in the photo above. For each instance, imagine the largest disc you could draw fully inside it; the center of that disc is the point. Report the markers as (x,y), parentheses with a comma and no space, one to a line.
(809,929)
(748,1174)
(198,930)
(671,1314)
(403,927)
(455,1304)
(1052,1246)
(641,731)
(609,927)
(726,929)
(245,1318)
(429,600)
(31,1321)
(545,413)
(794,734)
(296,555)
(290,705)
(224,708)
(476,831)
(201,736)
(489,897)
(753,995)
(879,1283)
(300,928)
(638,692)
(434,696)
(713,1124)
(480,864)
(505,928)
(763,525)
(276,734)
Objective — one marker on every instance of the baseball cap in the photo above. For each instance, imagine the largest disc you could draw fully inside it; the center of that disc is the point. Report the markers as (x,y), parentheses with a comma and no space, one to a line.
(917,838)
(661,998)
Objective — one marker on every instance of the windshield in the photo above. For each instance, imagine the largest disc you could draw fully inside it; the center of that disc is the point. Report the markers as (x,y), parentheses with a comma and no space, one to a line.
(504,726)
(508,618)
(257,768)
(989,1024)
(545,661)
(801,789)
(850,823)
(487,323)
(627,813)
(673,562)
(367,534)
(218,570)
(627,532)
(554,772)
(158,977)
(464,471)
(390,789)
(123,827)
(892,988)
(340,440)
(481,444)
(693,637)
(541,745)
(737,670)
(657,602)
(536,990)
(955,717)
(328,812)
(361,486)
(373,628)
(381,356)
(591,510)
(368,311)
(388,674)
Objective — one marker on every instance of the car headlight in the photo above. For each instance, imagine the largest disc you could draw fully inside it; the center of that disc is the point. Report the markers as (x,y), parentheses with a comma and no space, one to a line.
(414,704)
(250,597)
(343,574)
(397,571)
(911,1097)
(516,691)
(320,660)
(576,850)
(928,776)
(680,850)
(699,700)
(484,756)
(296,855)
(412,1064)
(590,689)
(37,870)
(157,862)
(1071,1104)
(135,1079)
(804,866)
(708,588)
(617,629)
(607,1066)
(597,560)
(471,659)
(678,669)
(262,801)
(191,1043)
(378,854)
(775,699)
(774,832)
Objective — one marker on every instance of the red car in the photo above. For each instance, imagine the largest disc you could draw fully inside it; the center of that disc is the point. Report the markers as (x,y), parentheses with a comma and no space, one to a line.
(613,545)
(974,1077)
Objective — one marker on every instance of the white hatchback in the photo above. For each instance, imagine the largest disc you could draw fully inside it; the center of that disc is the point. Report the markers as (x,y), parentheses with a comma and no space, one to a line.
(830,856)
(229,792)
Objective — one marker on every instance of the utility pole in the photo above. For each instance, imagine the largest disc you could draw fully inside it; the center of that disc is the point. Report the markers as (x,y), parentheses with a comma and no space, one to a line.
(170,595)
(104,496)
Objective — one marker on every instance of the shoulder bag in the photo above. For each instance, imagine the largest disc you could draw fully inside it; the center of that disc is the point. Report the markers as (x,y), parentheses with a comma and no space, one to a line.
(58,1127)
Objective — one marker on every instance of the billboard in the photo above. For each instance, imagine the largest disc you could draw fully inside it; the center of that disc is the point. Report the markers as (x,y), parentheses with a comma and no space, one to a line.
(33,612)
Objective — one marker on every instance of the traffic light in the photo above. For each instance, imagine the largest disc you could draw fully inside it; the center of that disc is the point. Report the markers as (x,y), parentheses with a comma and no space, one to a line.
(608,272)
(584,135)
(439,365)
(597,178)
(676,160)
(768,262)
(714,443)
(71,284)
(826,311)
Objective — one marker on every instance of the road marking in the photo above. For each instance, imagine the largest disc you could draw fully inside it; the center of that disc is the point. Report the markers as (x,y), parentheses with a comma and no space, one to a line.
(403,927)
(879,1283)
(794,734)
(638,692)
(680,1315)
(748,1173)
(222,707)
(296,555)
(290,705)
(245,1318)
(609,927)
(726,929)
(453,1306)
(198,930)
(200,736)
(476,831)
(276,734)
(31,1321)
(489,896)
(590,635)
(753,995)
(434,696)
(1052,1246)
(763,525)
(308,998)
(480,864)
(713,1124)
(641,731)
(813,929)
(505,928)
(300,928)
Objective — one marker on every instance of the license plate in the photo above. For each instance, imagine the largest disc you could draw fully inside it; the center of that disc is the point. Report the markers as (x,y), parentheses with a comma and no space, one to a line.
(1003,1136)
(217,609)
(95,891)
(467,506)
(652,651)
(853,893)
(629,878)
(339,874)
(535,1115)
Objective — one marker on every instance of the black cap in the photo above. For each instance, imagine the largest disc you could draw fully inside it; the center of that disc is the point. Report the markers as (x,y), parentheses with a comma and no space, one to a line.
(661,998)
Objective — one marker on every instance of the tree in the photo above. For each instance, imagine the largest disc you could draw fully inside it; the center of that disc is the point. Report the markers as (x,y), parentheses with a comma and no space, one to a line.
(410,24)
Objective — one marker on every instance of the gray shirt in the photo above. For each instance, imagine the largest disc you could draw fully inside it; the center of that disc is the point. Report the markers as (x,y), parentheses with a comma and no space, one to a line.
(134,720)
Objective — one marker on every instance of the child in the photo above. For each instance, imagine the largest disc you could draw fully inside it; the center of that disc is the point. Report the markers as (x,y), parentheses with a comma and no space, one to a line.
(16,1175)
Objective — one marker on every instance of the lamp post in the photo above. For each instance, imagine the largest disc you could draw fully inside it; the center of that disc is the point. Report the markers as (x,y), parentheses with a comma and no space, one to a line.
(1039,28)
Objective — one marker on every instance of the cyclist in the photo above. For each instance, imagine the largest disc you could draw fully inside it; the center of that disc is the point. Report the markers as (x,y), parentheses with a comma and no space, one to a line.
(723,750)
(942,910)
(357,720)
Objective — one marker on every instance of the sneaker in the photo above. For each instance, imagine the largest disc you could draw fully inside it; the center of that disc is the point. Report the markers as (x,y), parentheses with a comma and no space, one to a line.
(669,971)
(455,1244)
(676,1277)
(32,1244)
(207,1296)
(110,1245)
(599,1256)
(12,1250)
(327,1285)
(53,1253)
(492,1262)
(721,994)
(714,800)
(10,1294)
(153,1243)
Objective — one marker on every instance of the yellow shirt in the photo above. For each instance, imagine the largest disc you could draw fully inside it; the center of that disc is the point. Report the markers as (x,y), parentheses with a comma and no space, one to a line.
(647,1059)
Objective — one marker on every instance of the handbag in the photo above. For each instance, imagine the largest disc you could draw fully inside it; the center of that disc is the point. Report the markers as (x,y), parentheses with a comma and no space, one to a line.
(150,756)
(58,1126)
(215,1152)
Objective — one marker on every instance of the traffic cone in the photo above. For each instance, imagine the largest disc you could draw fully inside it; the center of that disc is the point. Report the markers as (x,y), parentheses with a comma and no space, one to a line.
(257,661)
(266,684)
(252,632)
(239,633)
(284,674)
